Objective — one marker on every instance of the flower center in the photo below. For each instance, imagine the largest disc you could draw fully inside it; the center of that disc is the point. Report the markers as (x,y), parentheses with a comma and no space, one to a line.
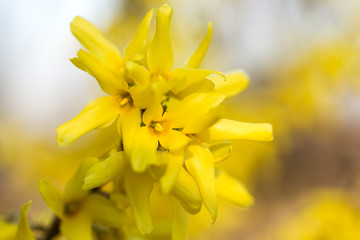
(72,207)
(125,101)
(158,128)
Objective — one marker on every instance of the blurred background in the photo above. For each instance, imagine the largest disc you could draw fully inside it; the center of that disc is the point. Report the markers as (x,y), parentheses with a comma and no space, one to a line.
(303,58)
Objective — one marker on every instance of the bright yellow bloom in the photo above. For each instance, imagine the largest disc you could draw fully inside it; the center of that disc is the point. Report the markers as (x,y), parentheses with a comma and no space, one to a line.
(170,126)
(78,208)
(104,62)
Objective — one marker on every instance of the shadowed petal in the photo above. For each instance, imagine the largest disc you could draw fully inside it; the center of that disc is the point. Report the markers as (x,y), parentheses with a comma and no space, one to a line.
(138,189)
(201,166)
(77,227)
(24,232)
(52,197)
(180,218)
(104,171)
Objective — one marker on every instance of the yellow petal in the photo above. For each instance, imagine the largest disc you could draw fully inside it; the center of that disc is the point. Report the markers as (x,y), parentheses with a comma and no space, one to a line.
(174,140)
(107,76)
(73,189)
(200,164)
(79,64)
(143,150)
(94,41)
(138,42)
(196,112)
(186,77)
(104,171)
(24,232)
(173,167)
(137,73)
(160,56)
(77,227)
(130,124)
(220,150)
(52,197)
(138,189)
(104,212)
(232,190)
(226,129)
(187,192)
(99,113)
(146,96)
(153,113)
(180,219)
(196,58)
(120,200)
(204,86)
(236,82)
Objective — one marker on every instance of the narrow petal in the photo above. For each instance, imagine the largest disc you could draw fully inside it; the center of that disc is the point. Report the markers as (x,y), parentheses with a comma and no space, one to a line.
(153,113)
(94,41)
(79,64)
(235,83)
(196,112)
(77,227)
(143,150)
(104,171)
(52,197)
(23,231)
(187,192)
(173,167)
(137,73)
(186,77)
(201,166)
(180,219)
(174,140)
(196,58)
(107,76)
(232,190)
(130,124)
(73,189)
(220,150)
(99,113)
(160,56)
(104,212)
(204,86)
(137,44)
(226,129)
(138,189)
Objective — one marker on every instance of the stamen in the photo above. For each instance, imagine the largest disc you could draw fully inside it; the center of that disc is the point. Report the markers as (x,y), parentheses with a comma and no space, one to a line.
(158,127)
(124,101)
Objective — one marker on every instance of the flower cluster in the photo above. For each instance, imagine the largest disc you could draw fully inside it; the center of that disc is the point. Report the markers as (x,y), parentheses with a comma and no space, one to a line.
(171,129)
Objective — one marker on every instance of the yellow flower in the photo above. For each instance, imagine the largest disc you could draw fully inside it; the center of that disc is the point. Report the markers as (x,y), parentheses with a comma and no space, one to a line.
(170,126)
(78,208)
(158,79)
(104,62)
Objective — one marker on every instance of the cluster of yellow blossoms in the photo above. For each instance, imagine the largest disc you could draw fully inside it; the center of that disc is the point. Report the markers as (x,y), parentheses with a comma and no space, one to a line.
(171,129)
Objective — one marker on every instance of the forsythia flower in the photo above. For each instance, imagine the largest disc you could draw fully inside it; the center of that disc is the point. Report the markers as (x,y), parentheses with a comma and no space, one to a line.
(78,208)
(171,132)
